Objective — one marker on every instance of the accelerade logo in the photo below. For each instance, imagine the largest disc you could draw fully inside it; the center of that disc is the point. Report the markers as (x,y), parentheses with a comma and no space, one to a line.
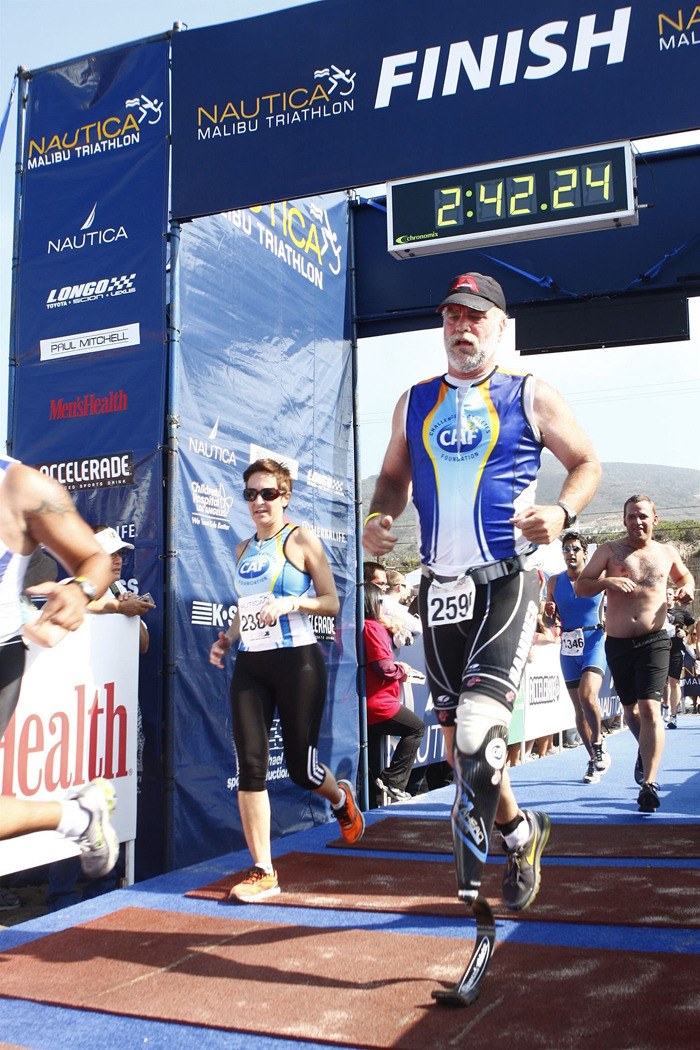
(93,472)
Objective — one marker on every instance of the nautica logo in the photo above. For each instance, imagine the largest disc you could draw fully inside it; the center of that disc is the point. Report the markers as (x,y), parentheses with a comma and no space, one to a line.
(87,238)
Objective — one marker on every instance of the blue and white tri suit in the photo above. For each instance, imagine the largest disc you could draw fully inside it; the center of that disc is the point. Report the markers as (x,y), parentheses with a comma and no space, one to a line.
(583,635)
(263,570)
(279,667)
(475,452)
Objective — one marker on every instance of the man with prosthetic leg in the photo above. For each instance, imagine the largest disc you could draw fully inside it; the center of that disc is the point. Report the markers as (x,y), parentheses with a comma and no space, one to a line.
(467,445)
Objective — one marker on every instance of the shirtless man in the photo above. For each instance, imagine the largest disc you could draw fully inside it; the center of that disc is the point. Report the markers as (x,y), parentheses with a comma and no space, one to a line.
(634,573)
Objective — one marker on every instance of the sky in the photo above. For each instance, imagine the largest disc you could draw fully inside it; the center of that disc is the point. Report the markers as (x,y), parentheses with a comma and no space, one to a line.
(639,404)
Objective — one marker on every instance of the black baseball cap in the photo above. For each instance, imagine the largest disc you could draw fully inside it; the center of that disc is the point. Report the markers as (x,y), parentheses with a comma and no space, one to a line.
(474,290)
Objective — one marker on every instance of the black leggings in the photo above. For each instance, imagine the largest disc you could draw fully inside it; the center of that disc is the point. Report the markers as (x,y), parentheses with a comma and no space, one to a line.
(410,730)
(293,681)
(12,656)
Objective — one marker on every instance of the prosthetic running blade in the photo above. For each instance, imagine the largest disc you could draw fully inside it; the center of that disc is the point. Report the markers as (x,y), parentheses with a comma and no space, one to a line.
(469,987)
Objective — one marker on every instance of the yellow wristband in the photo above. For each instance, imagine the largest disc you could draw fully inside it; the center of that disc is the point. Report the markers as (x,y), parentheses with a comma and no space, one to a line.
(374,514)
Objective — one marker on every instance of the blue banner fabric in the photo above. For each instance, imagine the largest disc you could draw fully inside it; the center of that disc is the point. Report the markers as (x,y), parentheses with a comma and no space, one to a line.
(263,369)
(89,335)
(337,94)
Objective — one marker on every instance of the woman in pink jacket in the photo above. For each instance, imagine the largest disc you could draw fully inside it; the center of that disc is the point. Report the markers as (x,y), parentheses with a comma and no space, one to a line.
(386,715)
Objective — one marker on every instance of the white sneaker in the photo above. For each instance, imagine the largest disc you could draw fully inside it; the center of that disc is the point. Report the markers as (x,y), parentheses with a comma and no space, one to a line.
(603,761)
(592,775)
(393,792)
(99,843)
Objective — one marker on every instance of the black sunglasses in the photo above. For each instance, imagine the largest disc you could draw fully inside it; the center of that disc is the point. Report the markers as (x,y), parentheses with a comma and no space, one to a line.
(567,549)
(249,495)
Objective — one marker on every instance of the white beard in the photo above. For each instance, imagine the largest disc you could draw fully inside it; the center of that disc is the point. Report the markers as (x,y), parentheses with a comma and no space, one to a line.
(467,355)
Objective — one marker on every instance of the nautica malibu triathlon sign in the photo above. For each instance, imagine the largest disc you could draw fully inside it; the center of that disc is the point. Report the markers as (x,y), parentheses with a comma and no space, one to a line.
(337,94)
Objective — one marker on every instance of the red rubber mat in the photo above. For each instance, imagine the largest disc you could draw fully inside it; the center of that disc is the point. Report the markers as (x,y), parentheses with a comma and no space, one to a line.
(648,839)
(354,987)
(631,896)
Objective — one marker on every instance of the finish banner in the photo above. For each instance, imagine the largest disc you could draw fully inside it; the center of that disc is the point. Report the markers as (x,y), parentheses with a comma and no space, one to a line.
(88,387)
(262,370)
(338,94)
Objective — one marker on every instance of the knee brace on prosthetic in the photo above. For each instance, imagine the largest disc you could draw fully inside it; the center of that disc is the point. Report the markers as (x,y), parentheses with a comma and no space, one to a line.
(480,751)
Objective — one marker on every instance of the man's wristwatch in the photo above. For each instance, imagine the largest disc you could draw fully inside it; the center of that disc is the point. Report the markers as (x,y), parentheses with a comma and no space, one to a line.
(571,518)
(86,586)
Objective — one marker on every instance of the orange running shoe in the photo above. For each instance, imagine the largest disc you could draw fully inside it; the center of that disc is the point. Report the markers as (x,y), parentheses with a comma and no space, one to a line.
(352,823)
(256,886)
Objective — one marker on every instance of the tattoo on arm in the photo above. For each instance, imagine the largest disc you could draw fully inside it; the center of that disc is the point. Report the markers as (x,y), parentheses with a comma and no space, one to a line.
(59,504)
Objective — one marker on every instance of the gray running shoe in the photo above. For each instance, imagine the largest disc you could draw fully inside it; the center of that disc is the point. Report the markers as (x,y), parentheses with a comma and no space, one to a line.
(648,799)
(522,878)
(99,844)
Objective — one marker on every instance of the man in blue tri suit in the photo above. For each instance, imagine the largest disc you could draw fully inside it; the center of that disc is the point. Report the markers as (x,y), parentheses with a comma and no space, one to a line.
(582,653)
(468,445)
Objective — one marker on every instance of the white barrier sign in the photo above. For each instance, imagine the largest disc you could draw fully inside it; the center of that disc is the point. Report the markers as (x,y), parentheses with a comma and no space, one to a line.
(548,706)
(75,720)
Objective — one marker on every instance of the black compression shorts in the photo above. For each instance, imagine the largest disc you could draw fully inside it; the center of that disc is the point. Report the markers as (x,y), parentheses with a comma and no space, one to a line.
(487,653)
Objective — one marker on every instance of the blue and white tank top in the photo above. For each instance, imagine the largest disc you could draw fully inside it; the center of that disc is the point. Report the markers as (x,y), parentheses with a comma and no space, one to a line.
(12,569)
(475,452)
(263,569)
(573,611)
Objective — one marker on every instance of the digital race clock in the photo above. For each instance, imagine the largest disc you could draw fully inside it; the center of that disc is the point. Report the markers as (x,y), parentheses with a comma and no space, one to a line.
(548,195)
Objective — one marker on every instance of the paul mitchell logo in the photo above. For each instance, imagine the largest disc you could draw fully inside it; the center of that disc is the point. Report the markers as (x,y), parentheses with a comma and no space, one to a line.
(90,342)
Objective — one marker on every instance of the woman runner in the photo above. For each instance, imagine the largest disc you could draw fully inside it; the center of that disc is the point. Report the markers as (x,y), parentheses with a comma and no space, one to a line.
(279,667)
